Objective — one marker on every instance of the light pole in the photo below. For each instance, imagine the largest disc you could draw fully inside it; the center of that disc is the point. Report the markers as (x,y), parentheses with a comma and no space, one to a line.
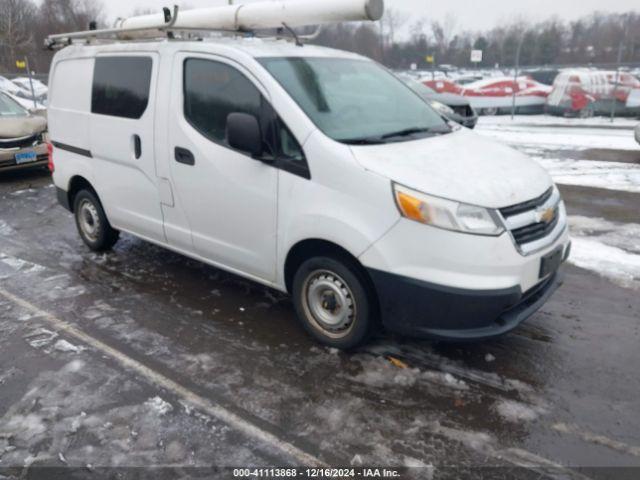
(33,91)
(615,85)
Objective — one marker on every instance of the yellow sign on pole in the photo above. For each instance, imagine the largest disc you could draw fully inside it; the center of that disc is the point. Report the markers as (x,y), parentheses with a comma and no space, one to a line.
(429,58)
(21,64)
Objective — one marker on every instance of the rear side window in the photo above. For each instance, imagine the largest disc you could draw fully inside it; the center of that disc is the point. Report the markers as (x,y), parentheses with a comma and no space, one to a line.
(121,86)
(212,91)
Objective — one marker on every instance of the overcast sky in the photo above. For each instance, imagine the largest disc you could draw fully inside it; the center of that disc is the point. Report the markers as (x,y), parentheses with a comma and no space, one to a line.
(469,14)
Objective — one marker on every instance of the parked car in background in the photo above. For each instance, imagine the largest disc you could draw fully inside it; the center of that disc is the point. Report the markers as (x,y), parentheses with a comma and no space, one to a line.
(638,134)
(454,107)
(39,93)
(8,86)
(39,88)
(585,92)
(22,136)
(492,96)
(33,107)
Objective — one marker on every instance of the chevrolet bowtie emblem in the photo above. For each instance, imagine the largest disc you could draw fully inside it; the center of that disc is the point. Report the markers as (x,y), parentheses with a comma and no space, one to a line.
(546,215)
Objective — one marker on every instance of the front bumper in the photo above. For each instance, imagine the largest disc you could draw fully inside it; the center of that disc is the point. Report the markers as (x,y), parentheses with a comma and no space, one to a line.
(421,309)
(447,285)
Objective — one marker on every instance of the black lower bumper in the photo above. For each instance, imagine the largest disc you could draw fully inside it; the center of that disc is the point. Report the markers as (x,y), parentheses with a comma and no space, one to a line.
(419,309)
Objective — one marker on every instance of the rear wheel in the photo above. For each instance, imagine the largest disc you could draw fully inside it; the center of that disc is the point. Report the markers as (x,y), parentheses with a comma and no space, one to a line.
(334,302)
(92,223)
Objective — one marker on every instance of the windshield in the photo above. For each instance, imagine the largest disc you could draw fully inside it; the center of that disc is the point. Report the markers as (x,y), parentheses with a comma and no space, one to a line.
(355,101)
(10,108)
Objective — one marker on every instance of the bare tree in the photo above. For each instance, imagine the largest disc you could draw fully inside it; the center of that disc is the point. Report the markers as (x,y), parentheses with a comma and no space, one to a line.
(443,34)
(16,24)
(391,22)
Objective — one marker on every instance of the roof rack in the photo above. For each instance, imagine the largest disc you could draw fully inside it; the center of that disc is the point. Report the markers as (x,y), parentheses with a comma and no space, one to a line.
(242,19)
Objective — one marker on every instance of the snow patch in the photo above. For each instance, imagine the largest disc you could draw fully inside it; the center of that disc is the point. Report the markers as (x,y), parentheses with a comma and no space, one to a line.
(579,138)
(551,121)
(612,250)
(517,412)
(64,346)
(613,263)
(20,265)
(5,228)
(591,173)
(159,406)
(378,372)
(42,338)
(74,366)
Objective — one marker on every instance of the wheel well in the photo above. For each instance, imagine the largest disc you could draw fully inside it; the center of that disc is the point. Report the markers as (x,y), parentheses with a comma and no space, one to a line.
(314,247)
(76,185)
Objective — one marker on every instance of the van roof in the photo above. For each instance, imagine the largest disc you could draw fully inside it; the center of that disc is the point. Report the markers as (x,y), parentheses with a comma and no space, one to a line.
(253,47)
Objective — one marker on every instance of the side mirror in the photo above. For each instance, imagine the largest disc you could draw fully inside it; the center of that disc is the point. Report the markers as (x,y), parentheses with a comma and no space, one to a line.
(243,133)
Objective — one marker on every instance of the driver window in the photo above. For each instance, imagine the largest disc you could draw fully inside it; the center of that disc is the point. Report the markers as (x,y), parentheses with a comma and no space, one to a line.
(213,90)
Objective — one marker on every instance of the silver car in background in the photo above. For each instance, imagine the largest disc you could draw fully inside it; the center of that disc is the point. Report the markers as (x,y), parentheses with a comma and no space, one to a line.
(23,137)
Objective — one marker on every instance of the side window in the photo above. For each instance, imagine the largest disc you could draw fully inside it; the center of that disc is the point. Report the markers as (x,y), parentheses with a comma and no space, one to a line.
(121,86)
(212,91)
(289,146)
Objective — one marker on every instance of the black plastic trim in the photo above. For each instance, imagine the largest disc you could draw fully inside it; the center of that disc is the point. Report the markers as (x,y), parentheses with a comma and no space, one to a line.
(526,206)
(63,198)
(72,149)
(421,309)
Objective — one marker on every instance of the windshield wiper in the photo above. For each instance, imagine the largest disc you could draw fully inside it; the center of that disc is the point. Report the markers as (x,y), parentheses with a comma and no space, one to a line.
(382,139)
(412,131)
(363,141)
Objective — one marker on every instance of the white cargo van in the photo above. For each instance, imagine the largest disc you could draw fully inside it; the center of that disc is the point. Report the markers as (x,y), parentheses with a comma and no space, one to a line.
(312,171)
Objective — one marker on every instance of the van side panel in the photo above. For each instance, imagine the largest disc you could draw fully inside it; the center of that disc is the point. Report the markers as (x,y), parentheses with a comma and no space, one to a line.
(68,115)
(123,148)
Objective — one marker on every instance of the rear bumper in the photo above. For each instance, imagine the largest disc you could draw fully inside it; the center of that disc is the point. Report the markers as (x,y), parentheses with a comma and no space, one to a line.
(8,158)
(25,166)
(420,309)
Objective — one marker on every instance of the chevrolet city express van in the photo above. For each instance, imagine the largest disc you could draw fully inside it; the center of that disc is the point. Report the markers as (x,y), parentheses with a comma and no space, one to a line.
(312,171)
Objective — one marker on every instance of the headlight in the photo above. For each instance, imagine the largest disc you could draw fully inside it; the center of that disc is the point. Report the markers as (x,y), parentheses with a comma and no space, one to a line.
(446,214)
(442,108)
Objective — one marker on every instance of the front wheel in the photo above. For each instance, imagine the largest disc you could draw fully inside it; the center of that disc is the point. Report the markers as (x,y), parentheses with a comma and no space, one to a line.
(334,302)
(92,223)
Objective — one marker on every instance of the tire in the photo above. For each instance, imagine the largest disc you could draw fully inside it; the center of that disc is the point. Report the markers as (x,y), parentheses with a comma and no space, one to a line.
(334,301)
(94,228)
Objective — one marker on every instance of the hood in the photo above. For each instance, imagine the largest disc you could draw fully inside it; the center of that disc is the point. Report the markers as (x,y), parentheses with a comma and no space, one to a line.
(461,166)
(16,127)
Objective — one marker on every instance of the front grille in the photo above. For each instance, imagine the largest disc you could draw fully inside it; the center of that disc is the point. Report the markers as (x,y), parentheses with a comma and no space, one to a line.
(532,223)
(535,231)
(530,205)
(23,142)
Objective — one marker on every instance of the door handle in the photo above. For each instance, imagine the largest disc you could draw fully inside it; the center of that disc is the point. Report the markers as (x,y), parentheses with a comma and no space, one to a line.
(184,156)
(137,146)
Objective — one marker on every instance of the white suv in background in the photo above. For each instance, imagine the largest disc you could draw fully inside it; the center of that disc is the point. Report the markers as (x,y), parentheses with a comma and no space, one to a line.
(310,170)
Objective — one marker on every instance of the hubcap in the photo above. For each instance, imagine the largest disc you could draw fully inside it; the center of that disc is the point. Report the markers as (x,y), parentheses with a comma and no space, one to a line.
(329,303)
(88,220)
